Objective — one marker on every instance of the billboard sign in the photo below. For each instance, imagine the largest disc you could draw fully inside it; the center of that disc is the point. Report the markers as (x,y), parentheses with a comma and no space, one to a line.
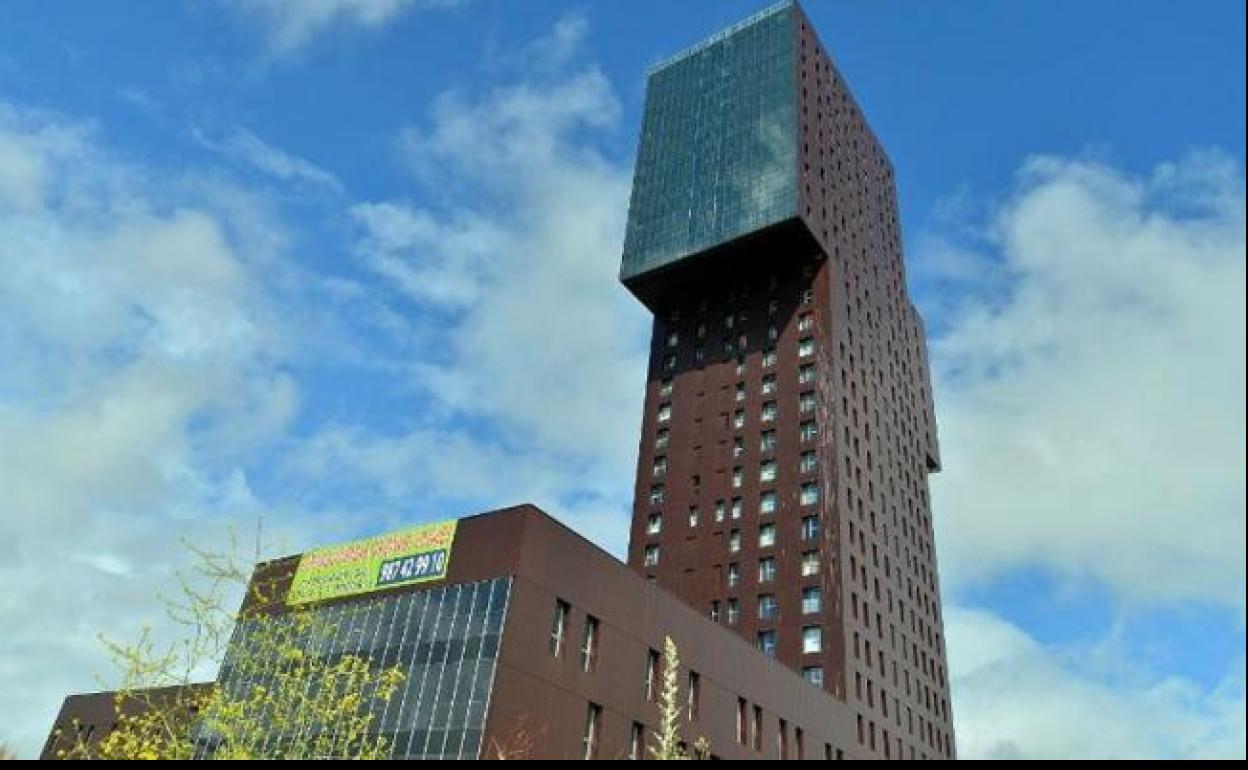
(415,555)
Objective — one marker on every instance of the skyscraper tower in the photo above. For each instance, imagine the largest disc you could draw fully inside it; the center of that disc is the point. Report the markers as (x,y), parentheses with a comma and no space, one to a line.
(788,427)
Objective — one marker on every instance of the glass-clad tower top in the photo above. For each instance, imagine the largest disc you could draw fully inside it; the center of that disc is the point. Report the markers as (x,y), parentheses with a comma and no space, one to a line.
(718,153)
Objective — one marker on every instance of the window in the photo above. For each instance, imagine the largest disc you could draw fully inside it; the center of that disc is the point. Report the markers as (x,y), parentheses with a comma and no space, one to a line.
(741,737)
(637,741)
(694,693)
(660,467)
(738,477)
(589,643)
(738,419)
(770,358)
(559,627)
(721,509)
(593,718)
(782,740)
(665,412)
(715,610)
(773,333)
(809,430)
(810,563)
(812,600)
(738,447)
(768,607)
(734,612)
(767,642)
(673,339)
(740,366)
(669,362)
(740,393)
(767,441)
(810,527)
(651,557)
(657,494)
(806,374)
(767,536)
(736,507)
(767,503)
(769,384)
(734,541)
(806,402)
(758,728)
(654,524)
(810,462)
(662,438)
(767,471)
(693,517)
(652,674)
(807,296)
(806,347)
(810,493)
(813,674)
(812,639)
(770,411)
(805,322)
(734,575)
(665,388)
(766,570)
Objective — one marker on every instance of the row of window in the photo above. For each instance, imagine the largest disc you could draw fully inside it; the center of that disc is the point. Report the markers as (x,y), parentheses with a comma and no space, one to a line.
(805,349)
(805,325)
(810,529)
(808,492)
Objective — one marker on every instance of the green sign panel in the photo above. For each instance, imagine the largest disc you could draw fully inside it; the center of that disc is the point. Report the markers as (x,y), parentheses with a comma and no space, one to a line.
(415,555)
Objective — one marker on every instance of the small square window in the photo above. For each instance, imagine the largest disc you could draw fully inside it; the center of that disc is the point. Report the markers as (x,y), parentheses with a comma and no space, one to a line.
(767,536)
(767,642)
(766,570)
(806,347)
(812,639)
(654,524)
(767,471)
(770,411)
(810,563)
(812,600)
(810,493)
(768,384)
(768,607)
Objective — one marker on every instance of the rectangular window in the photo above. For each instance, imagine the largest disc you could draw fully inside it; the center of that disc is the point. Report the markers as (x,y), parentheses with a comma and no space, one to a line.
(809,462)
(812,639)
(766,570)
(801,743)
(767,471)
(662,439)
(767,441)
(654,524)
(770,411)
(740,393)
(665,412)
(693,517)
(734,612)
(809,430)
(593,718)
(806,374)
(810,563)
(721,509)
(669,362)
(715,610)
(768,384)
(738,447)
(768,607)
(767,536)
(741,721)
(810,493)
(637,742)
(673,339)
(694,694)
(767,642)
(806,347)
(767,503)
(810,527)
(814,675)
(665,388)
(758,728)
(559,627)
(738,478)
(770,358)
(652,674)
(589,643)
(660,467)
(734,575)
(657,494)
(812,600)
(782,740)
(736,507)
(738,419)
(651,557)
(734,541)
(805,323)
(806,403)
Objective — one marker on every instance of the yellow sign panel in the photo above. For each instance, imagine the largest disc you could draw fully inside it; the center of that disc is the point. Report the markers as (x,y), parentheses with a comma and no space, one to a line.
(416,555)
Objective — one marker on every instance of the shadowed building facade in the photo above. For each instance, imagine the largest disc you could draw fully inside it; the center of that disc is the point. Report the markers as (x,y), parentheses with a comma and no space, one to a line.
(788,428)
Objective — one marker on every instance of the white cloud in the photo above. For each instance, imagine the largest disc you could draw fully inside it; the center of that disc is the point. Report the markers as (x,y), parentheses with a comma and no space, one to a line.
(1090,388)
(292,24)
(1014,698)
(244,147)
(138,376)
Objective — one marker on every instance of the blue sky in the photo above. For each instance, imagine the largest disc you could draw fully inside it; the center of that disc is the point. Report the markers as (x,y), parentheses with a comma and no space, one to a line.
(295,259)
